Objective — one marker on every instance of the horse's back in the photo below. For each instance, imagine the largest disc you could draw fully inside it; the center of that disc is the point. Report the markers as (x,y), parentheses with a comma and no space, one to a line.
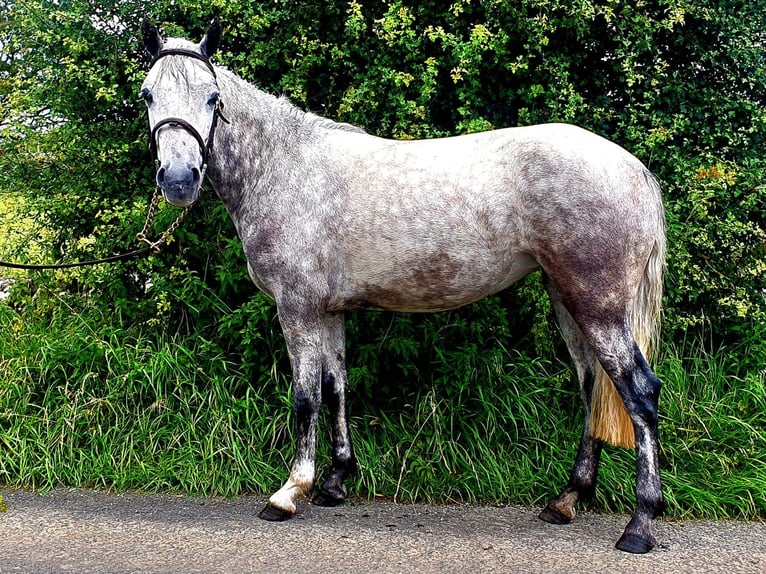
(516,168)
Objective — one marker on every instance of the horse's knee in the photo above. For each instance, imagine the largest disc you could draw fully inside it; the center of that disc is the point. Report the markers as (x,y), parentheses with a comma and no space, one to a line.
(305,406)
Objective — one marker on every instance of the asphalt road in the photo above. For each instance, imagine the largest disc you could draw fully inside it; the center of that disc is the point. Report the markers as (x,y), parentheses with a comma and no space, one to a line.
(87,531)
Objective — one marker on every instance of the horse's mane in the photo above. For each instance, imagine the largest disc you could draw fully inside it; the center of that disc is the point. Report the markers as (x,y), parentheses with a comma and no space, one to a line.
(320,121)
(286,106)
(176,69)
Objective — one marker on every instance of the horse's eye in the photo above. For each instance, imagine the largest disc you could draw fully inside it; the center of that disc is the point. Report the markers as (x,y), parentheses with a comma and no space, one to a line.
(146,95)
(213,99)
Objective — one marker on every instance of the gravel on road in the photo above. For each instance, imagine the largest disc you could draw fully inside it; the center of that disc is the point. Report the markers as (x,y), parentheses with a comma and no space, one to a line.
(89,531)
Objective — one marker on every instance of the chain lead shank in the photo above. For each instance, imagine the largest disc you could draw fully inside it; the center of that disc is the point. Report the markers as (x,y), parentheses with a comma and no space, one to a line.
(141,235)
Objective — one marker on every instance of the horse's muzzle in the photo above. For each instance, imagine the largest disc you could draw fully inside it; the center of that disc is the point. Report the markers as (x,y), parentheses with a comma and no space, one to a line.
(180,184)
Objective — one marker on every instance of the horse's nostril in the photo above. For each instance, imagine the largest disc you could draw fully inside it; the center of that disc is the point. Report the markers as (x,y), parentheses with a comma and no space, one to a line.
(161,176)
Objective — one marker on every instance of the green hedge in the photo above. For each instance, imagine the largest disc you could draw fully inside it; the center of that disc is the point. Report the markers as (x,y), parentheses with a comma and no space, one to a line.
(679,84)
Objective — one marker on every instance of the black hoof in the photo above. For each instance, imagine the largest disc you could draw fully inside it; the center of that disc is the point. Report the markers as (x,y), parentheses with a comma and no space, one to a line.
(325,498)
(553,516)
(634,544)
(274,514)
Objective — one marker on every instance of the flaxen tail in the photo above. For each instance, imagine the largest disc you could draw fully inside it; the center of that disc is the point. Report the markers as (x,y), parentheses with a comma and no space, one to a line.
(609,419)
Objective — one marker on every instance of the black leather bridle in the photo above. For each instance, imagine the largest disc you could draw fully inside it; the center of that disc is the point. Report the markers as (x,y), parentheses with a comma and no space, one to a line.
(205,145)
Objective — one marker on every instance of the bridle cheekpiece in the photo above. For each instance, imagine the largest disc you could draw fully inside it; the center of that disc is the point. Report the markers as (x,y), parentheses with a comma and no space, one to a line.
(205,145)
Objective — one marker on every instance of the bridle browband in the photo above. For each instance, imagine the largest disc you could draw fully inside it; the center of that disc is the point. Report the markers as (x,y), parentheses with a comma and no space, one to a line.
(205,146)
(185,52)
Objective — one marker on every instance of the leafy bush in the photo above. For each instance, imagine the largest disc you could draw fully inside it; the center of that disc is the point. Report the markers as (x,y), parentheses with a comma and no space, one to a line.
(679,84)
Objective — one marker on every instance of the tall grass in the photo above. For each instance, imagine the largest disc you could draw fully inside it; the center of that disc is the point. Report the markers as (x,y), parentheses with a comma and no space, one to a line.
(714,425)
(85,403)
(124,411)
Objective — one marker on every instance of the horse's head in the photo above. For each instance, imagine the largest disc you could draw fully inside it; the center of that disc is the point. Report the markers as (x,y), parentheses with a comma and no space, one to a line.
(181,94)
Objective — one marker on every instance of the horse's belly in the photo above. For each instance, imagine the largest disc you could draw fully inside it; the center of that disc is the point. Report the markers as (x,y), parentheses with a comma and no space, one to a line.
(434,283)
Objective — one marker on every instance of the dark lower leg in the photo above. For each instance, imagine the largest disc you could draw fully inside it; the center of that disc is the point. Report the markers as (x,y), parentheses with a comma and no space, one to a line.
(638,537)
(582,482)
(333,492)
(334,382)
(640,392)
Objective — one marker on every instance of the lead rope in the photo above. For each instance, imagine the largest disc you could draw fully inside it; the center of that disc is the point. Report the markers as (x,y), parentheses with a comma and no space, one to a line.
(153,246)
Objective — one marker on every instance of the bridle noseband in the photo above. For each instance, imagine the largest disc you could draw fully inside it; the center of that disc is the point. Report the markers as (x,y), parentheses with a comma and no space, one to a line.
(205,145)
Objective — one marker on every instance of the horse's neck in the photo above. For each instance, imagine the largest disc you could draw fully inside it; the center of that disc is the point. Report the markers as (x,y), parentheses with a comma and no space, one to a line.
(259,128)
(256,113)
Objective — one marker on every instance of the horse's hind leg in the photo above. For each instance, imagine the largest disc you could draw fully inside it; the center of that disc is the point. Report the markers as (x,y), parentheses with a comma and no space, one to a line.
(639,388)
(334,385)
(582,481)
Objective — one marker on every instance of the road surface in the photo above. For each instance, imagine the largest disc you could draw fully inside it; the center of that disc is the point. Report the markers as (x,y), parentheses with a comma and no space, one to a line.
(98,532)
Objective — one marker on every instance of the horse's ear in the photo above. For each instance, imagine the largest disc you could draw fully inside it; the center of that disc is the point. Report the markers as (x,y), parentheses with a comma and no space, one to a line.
(212,39)
(152,38)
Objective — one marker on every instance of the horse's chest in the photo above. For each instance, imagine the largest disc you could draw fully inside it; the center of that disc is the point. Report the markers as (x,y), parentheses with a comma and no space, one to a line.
(282,260)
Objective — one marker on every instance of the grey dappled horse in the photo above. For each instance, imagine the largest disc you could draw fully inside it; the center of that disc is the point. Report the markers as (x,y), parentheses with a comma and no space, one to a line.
(333,219)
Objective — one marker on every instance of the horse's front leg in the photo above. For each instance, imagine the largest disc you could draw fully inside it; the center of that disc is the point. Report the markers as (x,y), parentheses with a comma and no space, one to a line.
(334,386)
(303,333)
